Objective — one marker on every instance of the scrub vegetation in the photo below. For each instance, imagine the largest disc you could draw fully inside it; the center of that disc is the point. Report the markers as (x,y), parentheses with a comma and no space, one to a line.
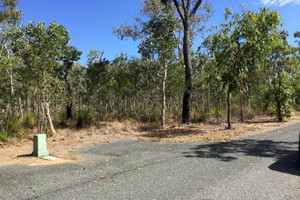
(244,69)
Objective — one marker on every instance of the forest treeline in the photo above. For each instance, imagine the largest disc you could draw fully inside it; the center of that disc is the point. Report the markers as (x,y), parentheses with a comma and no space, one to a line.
(244,67)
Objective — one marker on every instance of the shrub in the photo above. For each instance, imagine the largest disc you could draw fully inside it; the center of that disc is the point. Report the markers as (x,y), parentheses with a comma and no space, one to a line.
(2,136)
(11,127)
(30,120)
(85,117)
(62,116)
(249,113)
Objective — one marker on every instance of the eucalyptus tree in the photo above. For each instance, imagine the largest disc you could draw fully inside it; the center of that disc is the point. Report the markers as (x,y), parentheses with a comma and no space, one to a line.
(159,45)
(71,54)
(187,12)
(208,86)
(9,13)
(77,75)
(77,82)
(10,17)
(158,40)
(97,76)
(243,42)
(297,74)
(41,49)
(282,68)
(187,19)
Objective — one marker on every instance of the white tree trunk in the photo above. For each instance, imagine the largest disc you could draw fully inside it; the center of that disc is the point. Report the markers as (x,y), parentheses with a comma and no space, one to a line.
(49,118)
(248,96)
(163,95)
(11,82)
(21,107)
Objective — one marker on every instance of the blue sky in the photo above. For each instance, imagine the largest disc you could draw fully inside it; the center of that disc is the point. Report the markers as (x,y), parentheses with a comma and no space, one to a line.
(90,22)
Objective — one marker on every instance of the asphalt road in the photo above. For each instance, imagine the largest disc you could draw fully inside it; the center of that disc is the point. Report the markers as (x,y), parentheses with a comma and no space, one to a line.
(263,166)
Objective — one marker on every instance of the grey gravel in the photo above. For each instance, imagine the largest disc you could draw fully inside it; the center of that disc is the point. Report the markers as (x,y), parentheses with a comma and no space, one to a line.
(263,166)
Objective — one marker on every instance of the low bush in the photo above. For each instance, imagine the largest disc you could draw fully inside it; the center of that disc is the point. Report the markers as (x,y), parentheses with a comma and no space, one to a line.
(30,120)
(11,126)
(62,117)
(85,118)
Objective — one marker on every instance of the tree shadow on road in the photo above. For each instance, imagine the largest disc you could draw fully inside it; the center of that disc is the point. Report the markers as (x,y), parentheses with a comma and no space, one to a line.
(229,151)
(288,164)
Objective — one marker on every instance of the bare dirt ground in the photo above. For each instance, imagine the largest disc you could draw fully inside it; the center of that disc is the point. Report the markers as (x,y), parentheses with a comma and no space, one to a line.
(67,141)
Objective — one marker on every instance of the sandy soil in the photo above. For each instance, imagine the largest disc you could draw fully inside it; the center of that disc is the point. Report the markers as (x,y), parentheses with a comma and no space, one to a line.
(67,141)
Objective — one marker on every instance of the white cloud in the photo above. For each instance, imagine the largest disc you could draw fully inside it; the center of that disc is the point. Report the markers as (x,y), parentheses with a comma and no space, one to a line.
(279,2)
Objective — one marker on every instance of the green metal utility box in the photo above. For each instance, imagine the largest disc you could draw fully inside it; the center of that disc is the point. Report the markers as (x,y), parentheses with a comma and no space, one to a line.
(40,145)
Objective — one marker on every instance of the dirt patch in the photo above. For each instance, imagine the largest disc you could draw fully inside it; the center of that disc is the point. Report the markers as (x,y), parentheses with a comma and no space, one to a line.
(67,141)
(64,144)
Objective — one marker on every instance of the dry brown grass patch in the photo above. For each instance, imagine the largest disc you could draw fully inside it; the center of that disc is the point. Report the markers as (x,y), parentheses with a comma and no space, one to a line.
(65,143)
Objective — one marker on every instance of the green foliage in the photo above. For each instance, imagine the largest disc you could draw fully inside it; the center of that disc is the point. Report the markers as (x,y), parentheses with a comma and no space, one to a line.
(85,118)
(240,48)
(12,126)
(30,120)
(62,117)
(282,63)
(52,39)
(3,137)
(251,113)
(215,112)
(296,87)
(41,49)
(245,55)
(279,92)
(205,117)
(242,43)
(159,41)
(10,14)
(142,115)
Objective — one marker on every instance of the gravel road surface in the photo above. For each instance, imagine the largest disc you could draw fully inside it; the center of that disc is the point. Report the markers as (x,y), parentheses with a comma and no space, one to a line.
(263,166)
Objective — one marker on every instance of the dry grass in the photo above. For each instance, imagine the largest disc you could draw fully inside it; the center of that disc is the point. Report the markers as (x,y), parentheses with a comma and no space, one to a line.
(67,141)
(214,132)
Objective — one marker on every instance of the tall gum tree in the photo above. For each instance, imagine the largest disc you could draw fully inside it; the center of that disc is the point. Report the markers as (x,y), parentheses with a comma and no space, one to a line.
(190,21)
(9,12)
(282,68)
(187,12)
(158,40)
(159,44)
(10,17)
(297,73)
(41,49)
(71,54)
